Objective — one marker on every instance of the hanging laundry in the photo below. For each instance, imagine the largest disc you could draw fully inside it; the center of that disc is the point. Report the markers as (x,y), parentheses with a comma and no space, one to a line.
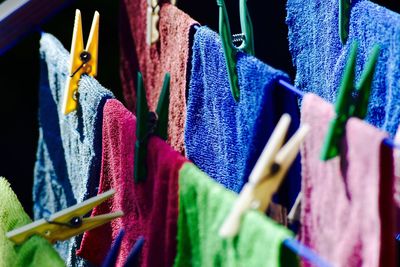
(36,251)
(170,54)
(320,58)
(150,207)
(347,208)
(223,137)
(203,207)
(68,163)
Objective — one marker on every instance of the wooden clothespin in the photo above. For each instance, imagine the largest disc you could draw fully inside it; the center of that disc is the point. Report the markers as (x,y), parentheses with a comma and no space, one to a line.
(153,16)
(267,175)
(149,123)
(352,101)
(66,223)
(82,60)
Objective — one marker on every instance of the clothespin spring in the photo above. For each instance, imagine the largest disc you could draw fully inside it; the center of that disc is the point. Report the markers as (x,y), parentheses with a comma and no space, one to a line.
(238,39)
(75,222)
(85,57)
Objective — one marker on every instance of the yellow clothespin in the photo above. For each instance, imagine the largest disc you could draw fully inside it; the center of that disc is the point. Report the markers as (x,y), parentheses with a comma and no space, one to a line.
(82,61)
(66,223)
(267,175)
(153,10)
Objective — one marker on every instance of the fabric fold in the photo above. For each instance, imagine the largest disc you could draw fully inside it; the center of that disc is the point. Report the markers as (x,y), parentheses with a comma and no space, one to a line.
(171,54)
(68,159)
(347,209)
(150,207)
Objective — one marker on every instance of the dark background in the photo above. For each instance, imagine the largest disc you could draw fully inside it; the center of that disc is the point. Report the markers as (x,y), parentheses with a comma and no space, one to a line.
(19,69)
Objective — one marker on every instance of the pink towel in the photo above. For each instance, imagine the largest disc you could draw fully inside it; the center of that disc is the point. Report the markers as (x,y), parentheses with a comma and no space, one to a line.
(170,54)
(347,207)
(151,207)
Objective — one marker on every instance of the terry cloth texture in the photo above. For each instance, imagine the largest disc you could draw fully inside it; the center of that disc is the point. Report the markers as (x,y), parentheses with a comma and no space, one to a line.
(224,138)
(320,58)
(68,159)
(36,251)
(150,207)
(347,213)
(203,207)
(170,54)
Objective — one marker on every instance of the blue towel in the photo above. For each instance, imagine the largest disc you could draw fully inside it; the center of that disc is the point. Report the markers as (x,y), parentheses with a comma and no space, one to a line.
(67,168)
(224,138)
(320,57)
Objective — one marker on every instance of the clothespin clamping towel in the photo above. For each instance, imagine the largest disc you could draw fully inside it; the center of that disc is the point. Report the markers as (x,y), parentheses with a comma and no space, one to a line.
(82,61)
(66,223)
(230,49)
(267,175)
(352,101)
(149,123)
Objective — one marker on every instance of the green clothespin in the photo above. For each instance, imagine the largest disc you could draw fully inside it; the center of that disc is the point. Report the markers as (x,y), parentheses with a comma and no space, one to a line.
(344,19)
(162,110)
(349,104)
(230,50)
(149,123)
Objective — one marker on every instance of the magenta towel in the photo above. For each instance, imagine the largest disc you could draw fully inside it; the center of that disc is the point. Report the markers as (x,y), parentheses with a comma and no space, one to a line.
(171,54)
(347,207)
(150,208)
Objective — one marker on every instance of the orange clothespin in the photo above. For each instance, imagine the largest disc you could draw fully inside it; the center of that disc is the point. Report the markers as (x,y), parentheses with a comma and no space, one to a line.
(267,175)
(82,60)
(66,223)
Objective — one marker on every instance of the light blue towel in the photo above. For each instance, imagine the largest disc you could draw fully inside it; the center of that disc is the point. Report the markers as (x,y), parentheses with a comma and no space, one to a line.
(320,57)
(68,163)
(225,138)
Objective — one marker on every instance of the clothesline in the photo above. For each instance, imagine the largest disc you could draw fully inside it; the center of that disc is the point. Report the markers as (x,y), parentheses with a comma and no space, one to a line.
(305,252)
(387,141)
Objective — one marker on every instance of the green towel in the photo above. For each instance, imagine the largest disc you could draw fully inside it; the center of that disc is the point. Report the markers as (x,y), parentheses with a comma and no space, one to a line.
(36,251)
(203,206)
